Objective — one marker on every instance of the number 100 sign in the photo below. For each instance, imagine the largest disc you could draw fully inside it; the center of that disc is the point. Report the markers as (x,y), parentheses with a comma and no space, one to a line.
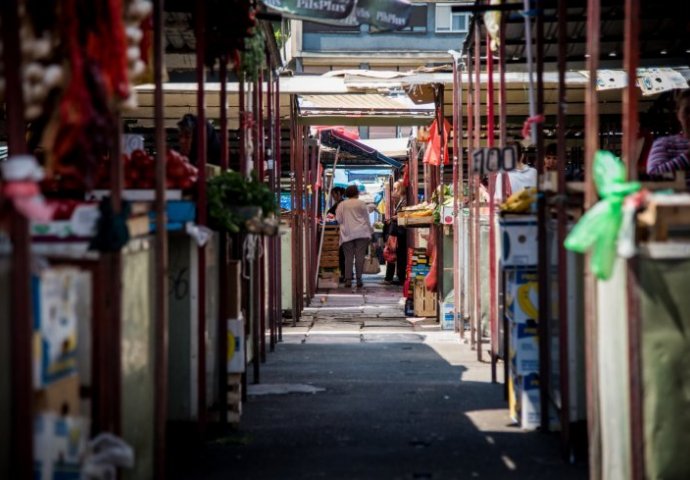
(494,159)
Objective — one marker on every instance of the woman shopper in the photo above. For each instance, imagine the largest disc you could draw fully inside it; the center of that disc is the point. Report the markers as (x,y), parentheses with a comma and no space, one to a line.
(355,233)
(672,153)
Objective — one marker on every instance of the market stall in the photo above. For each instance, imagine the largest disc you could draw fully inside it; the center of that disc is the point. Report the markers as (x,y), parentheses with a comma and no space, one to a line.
(119,240)
(559,295)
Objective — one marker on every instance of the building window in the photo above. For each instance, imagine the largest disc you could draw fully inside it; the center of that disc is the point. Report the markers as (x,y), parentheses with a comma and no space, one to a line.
(449,21)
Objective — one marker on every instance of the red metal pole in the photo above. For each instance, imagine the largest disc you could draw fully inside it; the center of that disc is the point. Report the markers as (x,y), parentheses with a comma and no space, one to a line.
(272,266)
(439,229)
(278,170)
(471,289)
(242,134)
(490,125)
(631,53)
(591,147)
(543,252)
(255,272)
(21,426)
(563,316)
(261,145)
(503,135)
(224,152)
(294,132)
(457,188)
(477,180)
(223,283)
(200,32)
(161,336)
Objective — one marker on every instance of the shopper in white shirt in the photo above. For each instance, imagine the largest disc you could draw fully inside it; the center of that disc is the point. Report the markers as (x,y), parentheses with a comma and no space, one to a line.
(355,233)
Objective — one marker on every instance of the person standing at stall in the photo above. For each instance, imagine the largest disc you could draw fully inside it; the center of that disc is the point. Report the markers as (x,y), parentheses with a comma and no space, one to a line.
(672,153)
(397,237)
(551,157)
(355,233)
(187,138)
(338,195)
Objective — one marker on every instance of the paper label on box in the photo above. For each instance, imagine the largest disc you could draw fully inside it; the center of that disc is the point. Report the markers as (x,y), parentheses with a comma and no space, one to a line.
(55,301)
(235,358)
(59,446)
(527,347)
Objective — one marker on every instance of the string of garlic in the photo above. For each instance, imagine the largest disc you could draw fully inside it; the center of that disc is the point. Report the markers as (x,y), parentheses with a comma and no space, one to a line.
(39,75)
(136,12)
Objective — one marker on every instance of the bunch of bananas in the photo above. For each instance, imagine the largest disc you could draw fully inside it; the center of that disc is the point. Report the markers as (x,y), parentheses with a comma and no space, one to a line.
(520,202)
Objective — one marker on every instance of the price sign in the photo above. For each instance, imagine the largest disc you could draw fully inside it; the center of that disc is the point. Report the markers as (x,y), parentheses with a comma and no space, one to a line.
(494,159)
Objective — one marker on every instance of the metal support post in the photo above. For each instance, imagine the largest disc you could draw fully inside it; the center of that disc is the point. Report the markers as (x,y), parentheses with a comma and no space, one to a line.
(200,33)
(591,147)
(161,304)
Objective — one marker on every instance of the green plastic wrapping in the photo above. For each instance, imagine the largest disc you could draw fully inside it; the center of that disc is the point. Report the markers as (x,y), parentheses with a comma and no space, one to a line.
(598,228)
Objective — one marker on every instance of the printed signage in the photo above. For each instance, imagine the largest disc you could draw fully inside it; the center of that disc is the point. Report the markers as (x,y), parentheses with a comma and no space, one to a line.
(383,14)
(494,159)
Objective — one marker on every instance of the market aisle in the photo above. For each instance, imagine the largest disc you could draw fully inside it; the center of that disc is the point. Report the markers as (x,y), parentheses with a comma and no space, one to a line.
(357,392)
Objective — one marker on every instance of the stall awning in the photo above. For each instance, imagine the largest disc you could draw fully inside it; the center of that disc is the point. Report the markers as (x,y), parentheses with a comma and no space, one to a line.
(334,139)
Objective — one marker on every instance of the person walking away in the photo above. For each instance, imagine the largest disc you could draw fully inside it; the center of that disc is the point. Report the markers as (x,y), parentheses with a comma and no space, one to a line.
(338,195)
(355,233)
(672,153)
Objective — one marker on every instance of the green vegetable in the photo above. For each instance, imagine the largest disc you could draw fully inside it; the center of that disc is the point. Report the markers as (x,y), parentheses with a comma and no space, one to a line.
(228,196)
(598,228)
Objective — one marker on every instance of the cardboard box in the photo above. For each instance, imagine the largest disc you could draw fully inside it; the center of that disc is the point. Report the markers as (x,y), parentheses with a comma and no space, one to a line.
(59,446)
(524,347)
(524,402)
(236,345)
(234,289)
(54,295)
(522,295)
(425,304)
(60,397)
(447,318)
(518,241)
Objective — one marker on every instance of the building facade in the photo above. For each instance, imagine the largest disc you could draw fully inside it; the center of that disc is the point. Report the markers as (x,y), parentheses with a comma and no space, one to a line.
(433,30)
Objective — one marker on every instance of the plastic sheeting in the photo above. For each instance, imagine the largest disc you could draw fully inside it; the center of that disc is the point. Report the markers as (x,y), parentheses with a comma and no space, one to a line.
(665,317)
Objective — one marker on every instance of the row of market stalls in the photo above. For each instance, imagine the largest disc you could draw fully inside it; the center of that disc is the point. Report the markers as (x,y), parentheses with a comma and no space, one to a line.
(142,331)
(138,272)
(578,336)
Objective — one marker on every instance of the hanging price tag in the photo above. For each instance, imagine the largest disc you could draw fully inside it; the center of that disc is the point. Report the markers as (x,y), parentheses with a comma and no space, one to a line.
(494,159)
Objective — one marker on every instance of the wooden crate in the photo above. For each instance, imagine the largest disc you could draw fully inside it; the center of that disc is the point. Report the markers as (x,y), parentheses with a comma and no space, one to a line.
(425,303)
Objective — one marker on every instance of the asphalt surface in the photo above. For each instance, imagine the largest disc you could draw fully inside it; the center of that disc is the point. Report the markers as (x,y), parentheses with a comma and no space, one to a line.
(356,391)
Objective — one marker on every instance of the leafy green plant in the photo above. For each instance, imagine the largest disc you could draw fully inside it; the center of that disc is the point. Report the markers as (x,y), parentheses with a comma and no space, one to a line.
(254,55)
(229,195)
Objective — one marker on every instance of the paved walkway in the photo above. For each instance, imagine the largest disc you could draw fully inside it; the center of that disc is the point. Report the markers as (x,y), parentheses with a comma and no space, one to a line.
(356,391)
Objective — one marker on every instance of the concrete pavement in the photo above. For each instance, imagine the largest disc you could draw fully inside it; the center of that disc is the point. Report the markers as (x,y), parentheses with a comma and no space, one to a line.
(355,391)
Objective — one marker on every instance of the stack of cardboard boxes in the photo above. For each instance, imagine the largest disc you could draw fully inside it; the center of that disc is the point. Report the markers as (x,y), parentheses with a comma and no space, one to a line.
(60,429)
